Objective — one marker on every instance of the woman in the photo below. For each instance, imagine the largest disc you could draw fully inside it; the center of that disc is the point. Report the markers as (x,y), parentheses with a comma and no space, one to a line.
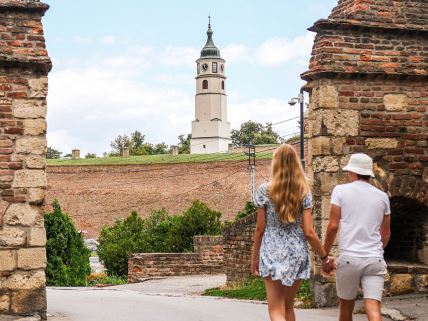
(284,225)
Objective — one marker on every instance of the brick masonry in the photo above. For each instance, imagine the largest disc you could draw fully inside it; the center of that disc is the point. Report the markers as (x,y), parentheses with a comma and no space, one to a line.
(368,86)
(24,65)
(94,196)
(207,258)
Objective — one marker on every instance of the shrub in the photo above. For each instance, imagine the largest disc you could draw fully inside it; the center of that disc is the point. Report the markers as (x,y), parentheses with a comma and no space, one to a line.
(120,240)
(159,232)
(68,258)
(199,219)
(250,208)
(101,278)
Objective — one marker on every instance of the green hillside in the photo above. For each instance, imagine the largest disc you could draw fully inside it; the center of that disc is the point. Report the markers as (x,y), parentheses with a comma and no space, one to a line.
(159,159)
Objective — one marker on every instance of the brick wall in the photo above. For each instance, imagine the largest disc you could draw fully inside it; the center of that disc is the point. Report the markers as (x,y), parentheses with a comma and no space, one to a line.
(206,259)
(238,245)
(368,85)
(24,65)
(98,195)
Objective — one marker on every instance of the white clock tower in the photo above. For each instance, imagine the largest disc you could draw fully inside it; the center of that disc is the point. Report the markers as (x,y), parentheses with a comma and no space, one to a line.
(210,129)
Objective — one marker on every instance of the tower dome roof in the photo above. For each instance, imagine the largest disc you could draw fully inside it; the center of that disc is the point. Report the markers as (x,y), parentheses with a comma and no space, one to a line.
(210,50)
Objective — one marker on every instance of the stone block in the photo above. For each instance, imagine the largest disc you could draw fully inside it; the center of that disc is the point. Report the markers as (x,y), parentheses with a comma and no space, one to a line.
(36,195)
(35,126)
(30,178)
(381,143)
(21,214)
(319,146)
(4,303)
(31,145)
(423,255)
(29,108)
(325,294)
(327,182)
(395,102)
(37,237)
(325,164)
(325,96)
(325,207)
(21,280)
(32,258)
(35,162)
(28,301)
(341,123)
(12,237)
(7,261)
(337,145)
(401,284)
(38,87)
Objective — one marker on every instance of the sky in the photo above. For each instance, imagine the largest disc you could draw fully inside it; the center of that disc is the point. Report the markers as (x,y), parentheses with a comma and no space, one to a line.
(121,66)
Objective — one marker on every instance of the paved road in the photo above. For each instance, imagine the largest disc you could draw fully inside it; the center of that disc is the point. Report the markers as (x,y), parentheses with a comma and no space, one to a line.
(125,305)
(162,300)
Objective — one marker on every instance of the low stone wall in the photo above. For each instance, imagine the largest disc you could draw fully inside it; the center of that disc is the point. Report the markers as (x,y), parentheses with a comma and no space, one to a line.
(207,258)
(238,245)
(406,278)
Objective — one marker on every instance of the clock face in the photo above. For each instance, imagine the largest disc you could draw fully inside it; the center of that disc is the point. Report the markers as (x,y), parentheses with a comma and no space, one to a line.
(205,67)
(222,67)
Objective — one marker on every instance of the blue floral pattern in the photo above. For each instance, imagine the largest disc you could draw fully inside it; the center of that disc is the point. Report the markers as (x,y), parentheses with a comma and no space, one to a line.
(284,250)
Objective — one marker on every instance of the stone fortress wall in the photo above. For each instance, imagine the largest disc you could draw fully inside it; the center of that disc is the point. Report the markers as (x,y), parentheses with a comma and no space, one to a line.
(207,258)
(368,86)
(94,196)
(24,65)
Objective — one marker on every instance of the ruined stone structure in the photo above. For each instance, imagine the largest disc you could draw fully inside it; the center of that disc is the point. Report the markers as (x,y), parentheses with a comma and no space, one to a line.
(368,85)
(24,65)
(207,258)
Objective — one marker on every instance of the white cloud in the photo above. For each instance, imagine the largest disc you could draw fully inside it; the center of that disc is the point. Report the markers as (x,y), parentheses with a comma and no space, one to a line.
(178,56)
(108,40)
(270,110)
(277,51)
(236,53)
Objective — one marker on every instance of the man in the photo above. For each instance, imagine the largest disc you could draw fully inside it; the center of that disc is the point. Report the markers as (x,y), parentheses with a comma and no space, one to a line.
(361,213)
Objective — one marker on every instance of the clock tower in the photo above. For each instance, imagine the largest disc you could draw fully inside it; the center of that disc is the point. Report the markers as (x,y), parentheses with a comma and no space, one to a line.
(210,129)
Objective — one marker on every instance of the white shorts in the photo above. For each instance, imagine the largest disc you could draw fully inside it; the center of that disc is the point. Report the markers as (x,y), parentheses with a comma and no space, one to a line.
(353,271)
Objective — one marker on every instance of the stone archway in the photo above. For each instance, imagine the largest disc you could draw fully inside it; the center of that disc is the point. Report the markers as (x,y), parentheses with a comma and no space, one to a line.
(24,66)
(368,86)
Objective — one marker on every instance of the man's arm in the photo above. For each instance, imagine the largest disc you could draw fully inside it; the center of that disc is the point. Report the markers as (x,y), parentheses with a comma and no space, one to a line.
(385,230)
(333,227)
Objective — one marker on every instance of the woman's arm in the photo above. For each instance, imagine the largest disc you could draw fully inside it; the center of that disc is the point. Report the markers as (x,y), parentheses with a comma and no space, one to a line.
(311,236)
(258,235)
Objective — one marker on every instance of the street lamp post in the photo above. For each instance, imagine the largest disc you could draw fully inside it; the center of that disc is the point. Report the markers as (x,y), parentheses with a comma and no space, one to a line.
(300,99)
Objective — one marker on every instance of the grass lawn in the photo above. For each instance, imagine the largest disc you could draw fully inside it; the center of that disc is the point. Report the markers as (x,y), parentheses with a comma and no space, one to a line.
(254,289)
(159,159)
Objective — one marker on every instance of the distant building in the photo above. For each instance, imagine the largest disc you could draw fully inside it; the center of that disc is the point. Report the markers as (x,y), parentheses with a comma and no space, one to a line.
(210,129)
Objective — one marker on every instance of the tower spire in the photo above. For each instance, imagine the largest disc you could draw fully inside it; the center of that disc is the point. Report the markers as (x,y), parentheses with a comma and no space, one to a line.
(210,49)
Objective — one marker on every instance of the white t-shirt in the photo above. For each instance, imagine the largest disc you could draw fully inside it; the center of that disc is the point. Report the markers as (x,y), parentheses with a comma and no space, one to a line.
(362,208)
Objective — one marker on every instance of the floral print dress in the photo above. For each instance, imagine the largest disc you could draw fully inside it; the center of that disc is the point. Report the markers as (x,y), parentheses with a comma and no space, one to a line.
(284,250)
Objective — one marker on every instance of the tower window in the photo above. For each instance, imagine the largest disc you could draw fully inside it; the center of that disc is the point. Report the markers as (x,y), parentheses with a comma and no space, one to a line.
(198,69)
(215,67)
(222,84)
(205,84)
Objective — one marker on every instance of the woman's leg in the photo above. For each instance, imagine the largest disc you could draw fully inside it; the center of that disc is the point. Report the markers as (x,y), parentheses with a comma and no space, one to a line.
(276,299)
(290,295)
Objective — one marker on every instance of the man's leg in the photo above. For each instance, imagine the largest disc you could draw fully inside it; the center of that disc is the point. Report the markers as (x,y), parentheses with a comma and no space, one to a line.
(373,309)
(346,310)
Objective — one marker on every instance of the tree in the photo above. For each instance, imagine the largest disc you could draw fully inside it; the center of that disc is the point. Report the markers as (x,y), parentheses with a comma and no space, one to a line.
(119,144)
(255,133)
(53,153)
(184,144)
(67,256)
(91,155)
(137,140)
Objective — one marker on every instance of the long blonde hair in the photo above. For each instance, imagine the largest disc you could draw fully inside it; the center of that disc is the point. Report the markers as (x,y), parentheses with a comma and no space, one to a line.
(288,185)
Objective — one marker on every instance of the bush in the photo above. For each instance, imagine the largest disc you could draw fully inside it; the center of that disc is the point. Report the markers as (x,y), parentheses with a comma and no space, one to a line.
(250,208)
(120,240)
(101,278)
(68,258)
(159,232)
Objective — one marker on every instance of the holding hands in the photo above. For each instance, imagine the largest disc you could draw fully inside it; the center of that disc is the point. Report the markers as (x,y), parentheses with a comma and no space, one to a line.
(328,265)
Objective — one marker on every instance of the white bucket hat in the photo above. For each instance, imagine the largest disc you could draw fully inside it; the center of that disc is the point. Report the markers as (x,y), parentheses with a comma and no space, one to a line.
(360,164)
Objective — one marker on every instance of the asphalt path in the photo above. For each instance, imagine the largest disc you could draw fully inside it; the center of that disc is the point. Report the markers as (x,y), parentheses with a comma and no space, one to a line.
(171,299)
